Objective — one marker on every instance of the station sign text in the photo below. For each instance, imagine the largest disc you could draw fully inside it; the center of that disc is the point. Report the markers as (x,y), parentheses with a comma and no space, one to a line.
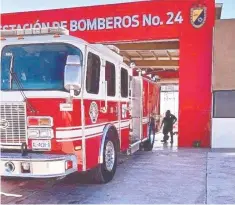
(107,23)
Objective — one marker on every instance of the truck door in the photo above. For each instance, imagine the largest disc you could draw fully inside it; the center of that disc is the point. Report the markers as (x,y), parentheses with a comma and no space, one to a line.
(100,103)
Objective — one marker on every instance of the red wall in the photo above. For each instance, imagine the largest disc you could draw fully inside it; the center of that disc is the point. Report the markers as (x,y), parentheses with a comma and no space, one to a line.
(195,49)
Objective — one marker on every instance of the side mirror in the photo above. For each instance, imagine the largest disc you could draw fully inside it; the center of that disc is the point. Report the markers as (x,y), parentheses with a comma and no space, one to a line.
(73,74)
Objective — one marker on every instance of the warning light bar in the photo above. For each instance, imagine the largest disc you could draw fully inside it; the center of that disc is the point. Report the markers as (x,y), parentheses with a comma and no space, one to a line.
(114,48)
(34,31)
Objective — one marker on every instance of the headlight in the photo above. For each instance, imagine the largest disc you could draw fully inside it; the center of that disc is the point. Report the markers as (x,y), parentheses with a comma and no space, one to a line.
(33,133)
(46,133)
(40,133)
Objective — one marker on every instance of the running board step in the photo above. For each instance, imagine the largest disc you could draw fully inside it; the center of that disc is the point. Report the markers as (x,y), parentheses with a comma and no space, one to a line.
(134,148)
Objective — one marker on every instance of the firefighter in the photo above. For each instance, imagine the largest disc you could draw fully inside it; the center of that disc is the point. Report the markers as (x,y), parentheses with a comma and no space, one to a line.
(169,120)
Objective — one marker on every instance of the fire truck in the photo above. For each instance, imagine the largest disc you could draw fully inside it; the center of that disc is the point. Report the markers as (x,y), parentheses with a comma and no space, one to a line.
(69,106)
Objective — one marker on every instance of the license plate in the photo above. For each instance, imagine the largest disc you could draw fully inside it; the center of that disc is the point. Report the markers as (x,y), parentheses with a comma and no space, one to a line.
(41,144)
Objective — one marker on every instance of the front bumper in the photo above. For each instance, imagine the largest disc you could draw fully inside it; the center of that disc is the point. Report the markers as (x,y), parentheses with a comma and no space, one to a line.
(41,165)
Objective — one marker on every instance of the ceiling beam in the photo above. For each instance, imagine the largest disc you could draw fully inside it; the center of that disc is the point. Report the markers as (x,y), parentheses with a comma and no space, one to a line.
(154,54)
(126,56)
(169,81)
(126,59)
(157,63)
(140,55)
(157,71)
(151,58)
(169,55)
(174,45)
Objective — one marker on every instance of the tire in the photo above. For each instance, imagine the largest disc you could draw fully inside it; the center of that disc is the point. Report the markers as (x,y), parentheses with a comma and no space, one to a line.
(148,145)
(105,172)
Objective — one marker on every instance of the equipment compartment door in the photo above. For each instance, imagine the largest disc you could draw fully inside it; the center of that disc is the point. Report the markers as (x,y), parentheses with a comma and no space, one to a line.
(124,109)
(136,109)
(145,107)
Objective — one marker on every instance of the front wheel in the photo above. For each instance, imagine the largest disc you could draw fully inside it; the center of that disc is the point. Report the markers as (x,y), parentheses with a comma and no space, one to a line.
(105,171)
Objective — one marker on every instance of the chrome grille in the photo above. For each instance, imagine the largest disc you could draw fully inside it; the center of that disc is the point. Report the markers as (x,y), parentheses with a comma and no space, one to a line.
(12,123)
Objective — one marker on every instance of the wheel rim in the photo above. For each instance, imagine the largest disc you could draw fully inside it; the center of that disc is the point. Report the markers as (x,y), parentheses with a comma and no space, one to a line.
(109,156)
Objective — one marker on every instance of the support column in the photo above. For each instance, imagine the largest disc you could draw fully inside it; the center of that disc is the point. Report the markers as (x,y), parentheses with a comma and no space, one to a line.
(195,95)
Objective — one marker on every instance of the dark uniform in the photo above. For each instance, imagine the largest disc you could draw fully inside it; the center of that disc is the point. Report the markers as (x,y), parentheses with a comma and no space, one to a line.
(168,122)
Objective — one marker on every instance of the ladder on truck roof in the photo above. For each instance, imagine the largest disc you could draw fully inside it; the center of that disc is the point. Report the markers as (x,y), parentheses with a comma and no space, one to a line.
(34,31)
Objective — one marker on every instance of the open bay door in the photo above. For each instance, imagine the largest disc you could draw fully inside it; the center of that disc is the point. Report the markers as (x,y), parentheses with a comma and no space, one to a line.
(136,110)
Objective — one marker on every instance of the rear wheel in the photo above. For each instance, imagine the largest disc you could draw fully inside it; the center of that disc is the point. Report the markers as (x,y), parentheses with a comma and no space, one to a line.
(148,145)
(105,171)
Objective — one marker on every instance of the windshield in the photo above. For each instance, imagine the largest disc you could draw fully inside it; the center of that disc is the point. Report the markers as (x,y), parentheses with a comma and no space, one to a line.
(37,66)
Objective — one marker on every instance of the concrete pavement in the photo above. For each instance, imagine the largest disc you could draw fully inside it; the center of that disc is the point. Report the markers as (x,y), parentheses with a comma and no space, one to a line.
(221,178)
(165,175)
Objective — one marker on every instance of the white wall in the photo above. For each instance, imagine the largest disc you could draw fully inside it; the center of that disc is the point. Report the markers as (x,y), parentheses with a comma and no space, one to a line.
(169,101)
(223,133)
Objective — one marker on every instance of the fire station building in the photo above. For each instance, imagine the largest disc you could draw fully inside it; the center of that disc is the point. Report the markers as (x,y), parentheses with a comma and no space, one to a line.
(180,44)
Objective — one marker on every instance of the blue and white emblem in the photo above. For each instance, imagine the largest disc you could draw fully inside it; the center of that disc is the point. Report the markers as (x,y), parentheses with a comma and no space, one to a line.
(198,16)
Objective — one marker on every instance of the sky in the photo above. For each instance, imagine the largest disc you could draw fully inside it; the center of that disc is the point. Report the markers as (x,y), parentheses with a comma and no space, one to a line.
(9,6)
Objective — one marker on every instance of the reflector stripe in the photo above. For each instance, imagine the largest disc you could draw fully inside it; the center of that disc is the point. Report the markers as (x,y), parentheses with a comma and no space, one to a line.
(89,126)
(65,134)
(65,139)
(79,138)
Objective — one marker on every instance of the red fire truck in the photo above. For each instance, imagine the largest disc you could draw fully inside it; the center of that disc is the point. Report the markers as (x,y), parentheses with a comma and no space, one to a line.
(70,106)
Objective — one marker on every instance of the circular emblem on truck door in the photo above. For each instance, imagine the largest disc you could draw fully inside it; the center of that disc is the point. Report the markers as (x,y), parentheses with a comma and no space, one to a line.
(93,112)
(4,124)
